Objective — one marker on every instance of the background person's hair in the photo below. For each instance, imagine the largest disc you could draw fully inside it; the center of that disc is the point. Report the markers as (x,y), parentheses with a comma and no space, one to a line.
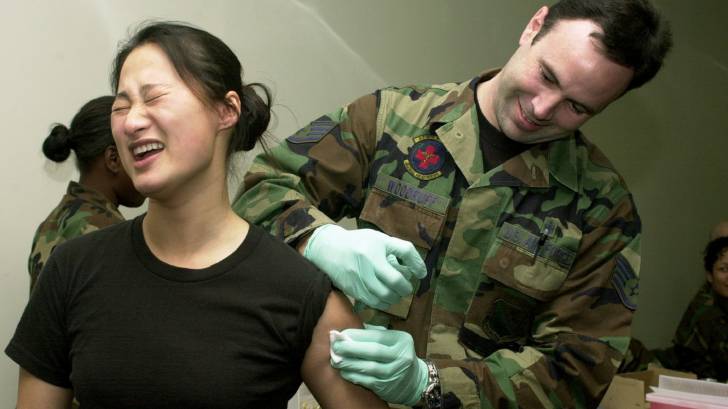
(210,68)
(713,251)
(88,136)
(633,32)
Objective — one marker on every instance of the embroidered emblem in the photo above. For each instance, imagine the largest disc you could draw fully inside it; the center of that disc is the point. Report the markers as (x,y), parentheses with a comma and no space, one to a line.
(626,283)
(426,158)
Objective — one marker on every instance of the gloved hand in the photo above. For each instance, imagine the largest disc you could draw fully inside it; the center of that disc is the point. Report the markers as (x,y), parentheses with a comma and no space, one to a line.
(383,361)
(366,264)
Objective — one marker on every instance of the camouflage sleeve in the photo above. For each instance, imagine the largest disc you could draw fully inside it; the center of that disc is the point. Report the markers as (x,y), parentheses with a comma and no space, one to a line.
(316,176)
(577,339)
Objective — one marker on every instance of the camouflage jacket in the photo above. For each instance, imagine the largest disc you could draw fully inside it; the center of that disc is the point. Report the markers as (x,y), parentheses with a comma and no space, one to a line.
(532,266)
(81,210)
(701,339)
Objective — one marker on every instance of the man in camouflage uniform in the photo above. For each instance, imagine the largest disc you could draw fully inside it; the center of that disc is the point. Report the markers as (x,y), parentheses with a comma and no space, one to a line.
(81,210)
(532,257)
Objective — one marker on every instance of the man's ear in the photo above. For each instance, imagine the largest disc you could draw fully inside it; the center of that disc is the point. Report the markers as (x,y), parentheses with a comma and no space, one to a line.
(534,26)
(229,110)
(112,160)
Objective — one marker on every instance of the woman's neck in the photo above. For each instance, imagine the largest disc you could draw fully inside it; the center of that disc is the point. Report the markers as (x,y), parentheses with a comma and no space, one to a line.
(194,230)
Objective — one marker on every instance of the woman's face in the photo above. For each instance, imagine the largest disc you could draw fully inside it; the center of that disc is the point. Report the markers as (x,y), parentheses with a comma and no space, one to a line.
(718,278)
(166,136)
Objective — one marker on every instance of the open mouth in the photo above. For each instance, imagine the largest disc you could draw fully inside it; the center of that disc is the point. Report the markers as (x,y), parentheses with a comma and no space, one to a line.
(142,151)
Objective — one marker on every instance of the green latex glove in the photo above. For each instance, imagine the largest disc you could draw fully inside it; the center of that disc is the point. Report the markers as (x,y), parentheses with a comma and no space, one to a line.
(365,264)
(383,361)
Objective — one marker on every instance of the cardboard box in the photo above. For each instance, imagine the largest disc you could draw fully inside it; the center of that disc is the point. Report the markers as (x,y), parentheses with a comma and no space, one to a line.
(628,390)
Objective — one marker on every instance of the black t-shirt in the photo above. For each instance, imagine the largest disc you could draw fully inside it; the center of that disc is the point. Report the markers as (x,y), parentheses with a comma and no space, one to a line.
(126,330)
(495,145)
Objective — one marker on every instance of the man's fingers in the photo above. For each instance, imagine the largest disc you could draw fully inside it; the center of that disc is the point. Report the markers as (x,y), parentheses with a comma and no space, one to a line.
(393,279)
(407,254)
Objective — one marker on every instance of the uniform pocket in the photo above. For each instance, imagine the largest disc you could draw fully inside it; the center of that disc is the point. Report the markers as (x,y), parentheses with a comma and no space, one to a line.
(402,218)
(521,271)
(536,265)
(408,213)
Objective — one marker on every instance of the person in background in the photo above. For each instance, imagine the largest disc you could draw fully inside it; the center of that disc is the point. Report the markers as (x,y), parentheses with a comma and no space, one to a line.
(186,306)
(529,238)
(701,341)
(92,202)
(693,334)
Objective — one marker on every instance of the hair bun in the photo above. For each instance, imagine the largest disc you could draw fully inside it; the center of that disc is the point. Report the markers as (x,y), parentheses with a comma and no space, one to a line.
(56,146)
(255,116)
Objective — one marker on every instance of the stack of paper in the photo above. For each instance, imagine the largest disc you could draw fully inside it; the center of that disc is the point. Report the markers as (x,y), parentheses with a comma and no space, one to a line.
(675,392)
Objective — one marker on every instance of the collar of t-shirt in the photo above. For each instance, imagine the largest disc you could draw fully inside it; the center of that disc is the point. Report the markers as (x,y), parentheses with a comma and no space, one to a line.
(494,144)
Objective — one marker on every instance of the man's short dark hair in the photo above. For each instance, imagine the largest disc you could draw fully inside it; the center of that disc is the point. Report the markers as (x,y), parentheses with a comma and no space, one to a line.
(633,32)
(713,252)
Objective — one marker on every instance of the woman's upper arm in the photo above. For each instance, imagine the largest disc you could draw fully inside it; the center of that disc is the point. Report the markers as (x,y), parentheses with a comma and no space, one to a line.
(324,382)
(35,393)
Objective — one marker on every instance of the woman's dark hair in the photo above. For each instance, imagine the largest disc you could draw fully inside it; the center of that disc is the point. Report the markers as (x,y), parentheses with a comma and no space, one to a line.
(633,32)
(210,69)
(88,136)
(713,251)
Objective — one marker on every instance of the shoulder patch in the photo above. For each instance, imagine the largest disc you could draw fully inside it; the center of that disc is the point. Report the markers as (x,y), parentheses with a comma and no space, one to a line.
(626,282)
(314,131)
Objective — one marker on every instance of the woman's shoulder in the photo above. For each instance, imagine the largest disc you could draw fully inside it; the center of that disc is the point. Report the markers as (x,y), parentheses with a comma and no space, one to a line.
(281,260)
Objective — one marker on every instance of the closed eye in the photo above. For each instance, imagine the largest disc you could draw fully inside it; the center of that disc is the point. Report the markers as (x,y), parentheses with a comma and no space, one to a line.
(578,108)
(153,98)
(546,76)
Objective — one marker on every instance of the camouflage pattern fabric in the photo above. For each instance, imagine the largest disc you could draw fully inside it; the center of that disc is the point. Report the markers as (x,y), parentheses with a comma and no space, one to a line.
(532,267)
(701,340)
(81,210)
(639,358)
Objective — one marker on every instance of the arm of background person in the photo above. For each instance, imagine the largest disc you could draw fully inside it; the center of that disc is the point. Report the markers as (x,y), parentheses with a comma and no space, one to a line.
(324,382)
(35,393)
(578,339)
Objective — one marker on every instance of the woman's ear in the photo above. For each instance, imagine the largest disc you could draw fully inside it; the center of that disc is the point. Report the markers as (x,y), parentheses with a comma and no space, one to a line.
(229,110)
(112,160)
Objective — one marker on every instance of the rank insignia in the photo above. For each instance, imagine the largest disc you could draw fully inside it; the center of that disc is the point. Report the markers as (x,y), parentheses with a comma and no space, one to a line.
(426,158)
(626,283)
(313,132)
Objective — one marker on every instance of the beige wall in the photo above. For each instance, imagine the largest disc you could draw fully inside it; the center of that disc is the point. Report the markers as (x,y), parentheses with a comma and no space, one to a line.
(668,138)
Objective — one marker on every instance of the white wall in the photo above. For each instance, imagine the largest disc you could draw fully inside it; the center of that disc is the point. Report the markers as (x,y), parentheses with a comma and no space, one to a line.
(667,138)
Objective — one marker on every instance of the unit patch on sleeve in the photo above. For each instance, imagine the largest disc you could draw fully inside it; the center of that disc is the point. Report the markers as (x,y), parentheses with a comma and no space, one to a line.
(426,158)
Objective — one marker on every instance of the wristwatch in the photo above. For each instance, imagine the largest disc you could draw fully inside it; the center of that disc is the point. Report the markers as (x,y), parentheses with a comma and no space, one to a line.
(432,395)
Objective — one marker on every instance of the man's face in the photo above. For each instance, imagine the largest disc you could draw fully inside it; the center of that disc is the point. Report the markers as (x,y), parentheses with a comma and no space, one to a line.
(550,88)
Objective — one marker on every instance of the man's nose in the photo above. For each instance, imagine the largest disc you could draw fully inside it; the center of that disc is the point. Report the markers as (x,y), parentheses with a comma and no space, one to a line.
(545,104)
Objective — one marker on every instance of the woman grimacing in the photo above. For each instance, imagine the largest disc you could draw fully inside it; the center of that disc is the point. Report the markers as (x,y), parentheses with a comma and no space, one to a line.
(188,305)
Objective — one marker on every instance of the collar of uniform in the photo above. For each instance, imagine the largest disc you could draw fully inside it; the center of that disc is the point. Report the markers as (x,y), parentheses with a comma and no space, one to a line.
(455,121)
(563,158)
(89,195)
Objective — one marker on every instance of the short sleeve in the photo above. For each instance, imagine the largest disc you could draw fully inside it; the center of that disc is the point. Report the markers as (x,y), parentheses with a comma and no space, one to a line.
(40,343)
(314,303)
